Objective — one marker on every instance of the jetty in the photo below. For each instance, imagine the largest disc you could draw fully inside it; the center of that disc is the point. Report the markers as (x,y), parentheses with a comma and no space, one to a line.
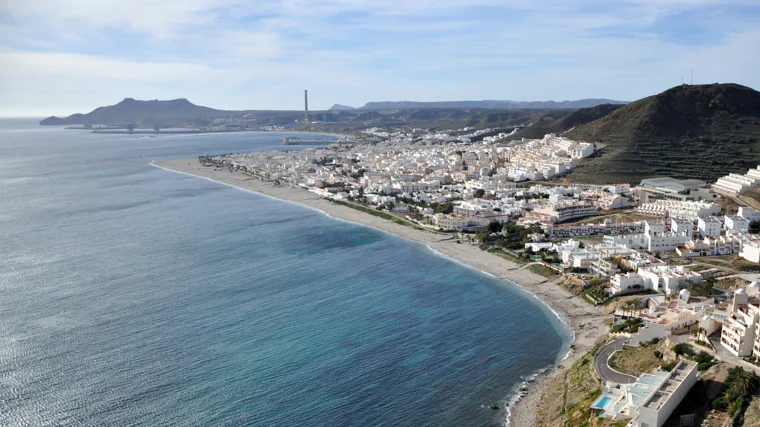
(294,140)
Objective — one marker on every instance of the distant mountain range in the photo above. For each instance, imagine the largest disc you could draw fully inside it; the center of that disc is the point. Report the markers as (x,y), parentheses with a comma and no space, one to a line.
(701,131)
(493,105)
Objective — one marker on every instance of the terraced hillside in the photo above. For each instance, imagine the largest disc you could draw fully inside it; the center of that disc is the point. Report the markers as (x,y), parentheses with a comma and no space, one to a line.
(703,131)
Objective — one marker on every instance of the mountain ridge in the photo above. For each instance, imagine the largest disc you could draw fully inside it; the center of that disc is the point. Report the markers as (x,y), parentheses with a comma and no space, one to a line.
(174,112)
(688,131)
(338,107)
(490,104)
(183,113)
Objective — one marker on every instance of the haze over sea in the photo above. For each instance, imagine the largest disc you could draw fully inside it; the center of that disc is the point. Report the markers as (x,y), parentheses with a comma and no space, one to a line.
(130,295)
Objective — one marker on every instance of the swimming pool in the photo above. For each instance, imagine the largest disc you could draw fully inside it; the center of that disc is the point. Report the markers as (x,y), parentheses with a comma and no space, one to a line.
(602,403)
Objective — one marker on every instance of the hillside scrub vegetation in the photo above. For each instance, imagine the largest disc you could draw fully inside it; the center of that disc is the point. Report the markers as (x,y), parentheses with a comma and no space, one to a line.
(699,131)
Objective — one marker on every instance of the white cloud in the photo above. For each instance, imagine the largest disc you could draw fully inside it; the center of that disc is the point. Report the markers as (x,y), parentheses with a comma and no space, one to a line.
(237,54)
(14,64)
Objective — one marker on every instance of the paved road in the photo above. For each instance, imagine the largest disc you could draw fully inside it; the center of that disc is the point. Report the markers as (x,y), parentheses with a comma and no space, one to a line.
(604,370)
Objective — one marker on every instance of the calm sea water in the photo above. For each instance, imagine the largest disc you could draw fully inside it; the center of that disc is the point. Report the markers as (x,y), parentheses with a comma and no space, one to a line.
(130,295)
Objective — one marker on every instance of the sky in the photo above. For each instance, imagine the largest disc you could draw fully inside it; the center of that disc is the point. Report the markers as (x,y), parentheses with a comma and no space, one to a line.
(67,56)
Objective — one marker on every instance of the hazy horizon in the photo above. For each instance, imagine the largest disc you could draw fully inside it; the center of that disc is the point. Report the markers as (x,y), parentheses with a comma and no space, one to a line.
(59,59)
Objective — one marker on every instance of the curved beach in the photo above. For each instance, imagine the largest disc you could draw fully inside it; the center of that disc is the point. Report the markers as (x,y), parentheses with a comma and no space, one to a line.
(585,320)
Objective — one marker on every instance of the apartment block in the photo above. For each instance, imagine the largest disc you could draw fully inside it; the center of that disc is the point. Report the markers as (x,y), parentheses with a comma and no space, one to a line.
(564,211)
(735,184)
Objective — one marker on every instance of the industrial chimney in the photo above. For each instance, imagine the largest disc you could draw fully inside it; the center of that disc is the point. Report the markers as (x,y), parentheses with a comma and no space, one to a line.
(306,106)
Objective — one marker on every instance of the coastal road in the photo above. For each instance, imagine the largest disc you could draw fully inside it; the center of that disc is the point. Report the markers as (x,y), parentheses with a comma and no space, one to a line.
(604,370)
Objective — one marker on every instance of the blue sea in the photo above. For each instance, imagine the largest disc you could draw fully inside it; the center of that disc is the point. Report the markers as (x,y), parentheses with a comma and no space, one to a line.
(130,295)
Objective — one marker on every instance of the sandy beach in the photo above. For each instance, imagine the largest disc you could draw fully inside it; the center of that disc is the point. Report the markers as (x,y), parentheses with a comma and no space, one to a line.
(586,321)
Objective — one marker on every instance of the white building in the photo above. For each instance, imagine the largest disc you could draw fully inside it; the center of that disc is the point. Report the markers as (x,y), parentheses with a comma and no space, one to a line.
(734,184)
(564,211)
(661,278)
(709,226)
(678,209)
(611,202)
(751,214)
(450,222)
(736,223)
(651,399)
(751,250)
(723,245)
(740,329)
(681,226)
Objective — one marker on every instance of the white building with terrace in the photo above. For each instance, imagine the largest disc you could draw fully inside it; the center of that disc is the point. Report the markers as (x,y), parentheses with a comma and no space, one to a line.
(735,184)
(678,209)
(738,323)
(564,211)
(660,278)
(651,399)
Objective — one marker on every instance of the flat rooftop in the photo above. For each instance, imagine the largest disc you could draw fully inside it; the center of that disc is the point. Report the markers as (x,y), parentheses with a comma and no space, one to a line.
(666,388)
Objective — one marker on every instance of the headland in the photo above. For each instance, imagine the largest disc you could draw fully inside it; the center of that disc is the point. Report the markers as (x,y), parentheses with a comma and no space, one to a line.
(586,321)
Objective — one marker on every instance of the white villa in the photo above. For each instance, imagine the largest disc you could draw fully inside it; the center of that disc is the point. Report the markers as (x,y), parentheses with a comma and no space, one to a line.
(661,278)
(740,329)
(651,399)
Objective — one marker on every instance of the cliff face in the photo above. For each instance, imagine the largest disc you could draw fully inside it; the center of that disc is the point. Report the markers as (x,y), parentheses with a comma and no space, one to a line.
(703,131)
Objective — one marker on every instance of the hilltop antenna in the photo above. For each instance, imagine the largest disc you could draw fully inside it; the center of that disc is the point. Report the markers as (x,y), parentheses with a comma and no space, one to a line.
(692,78)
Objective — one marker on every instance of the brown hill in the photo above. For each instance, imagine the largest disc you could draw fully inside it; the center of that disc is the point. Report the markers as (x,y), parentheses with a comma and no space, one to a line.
(559,121)
(173,113)
(702,131)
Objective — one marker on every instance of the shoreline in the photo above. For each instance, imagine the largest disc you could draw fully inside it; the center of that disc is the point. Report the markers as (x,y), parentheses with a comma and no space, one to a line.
(195,131)
(584,322)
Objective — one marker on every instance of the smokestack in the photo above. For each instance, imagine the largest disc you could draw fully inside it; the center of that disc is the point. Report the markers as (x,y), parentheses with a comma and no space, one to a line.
(306,105)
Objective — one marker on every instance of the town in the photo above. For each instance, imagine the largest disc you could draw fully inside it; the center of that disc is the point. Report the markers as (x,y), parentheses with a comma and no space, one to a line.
(677,260)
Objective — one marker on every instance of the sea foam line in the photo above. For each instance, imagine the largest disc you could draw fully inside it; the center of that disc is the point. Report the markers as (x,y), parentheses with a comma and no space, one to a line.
(518,394)
(515,395)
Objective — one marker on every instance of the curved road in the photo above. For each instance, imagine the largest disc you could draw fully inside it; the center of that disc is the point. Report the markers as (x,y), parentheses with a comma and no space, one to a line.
(604,370)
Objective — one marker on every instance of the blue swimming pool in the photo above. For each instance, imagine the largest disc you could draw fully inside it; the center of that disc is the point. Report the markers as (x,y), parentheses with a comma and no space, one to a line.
(602,403)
